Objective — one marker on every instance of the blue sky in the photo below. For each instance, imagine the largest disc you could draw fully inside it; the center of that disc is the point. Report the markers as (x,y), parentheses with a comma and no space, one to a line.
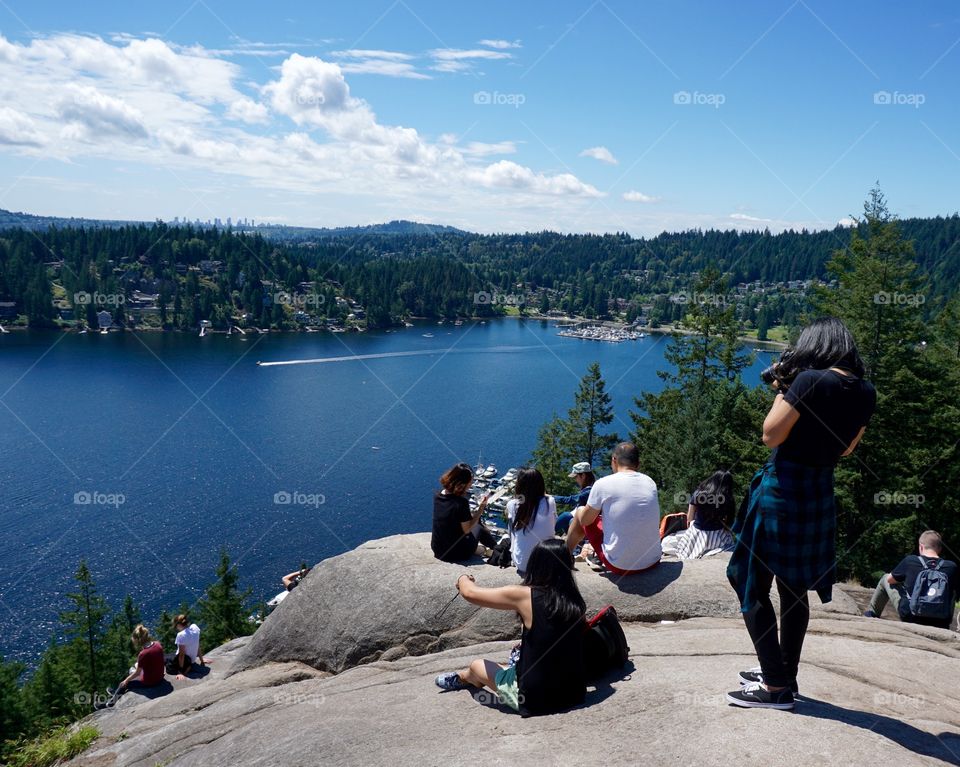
(576,116)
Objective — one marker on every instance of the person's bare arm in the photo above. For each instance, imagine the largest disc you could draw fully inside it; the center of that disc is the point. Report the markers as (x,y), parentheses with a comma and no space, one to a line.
(779,421)
(130,677)
(583,516)
(514,598)
(691,513)
(468,525)
(856,441)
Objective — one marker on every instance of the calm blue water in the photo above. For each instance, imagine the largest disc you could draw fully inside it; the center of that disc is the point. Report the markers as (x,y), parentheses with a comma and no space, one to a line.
(198,440)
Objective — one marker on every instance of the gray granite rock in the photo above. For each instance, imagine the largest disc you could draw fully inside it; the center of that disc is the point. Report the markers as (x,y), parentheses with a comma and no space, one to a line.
(874,693)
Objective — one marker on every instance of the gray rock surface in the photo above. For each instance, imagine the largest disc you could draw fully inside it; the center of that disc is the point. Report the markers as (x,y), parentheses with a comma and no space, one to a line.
(385,600)
(874,693)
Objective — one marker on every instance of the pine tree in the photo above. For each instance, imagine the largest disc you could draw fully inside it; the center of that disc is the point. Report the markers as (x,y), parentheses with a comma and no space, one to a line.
(696,423)
(117,655)
(550,457)
(13,714)
(223,610)
(909,451)
(592,410)
(84,628)
(563,442)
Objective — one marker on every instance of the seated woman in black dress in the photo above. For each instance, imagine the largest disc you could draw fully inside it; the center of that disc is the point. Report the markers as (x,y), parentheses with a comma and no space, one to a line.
(549,675)
(456,531)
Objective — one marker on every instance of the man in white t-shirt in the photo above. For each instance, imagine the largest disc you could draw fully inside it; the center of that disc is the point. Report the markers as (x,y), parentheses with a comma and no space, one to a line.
(626,537)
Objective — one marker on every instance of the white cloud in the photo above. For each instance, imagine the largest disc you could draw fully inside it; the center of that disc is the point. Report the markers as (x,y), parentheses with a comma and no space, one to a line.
(635,196)
(481,149)
(18,129)
(91,114)
(363,53)
(600,153)
(847,222)
(509,175)
(750,219)
(152,105)
(459,54)
(384,67)
(379,62)
(248,111)
(499,44)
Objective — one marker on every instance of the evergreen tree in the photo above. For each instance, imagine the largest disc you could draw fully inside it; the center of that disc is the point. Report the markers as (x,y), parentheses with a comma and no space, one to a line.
(13,713)
(591,411)
(84,627)
(117,655)
(704,418)
(222,609)
(904,476)
(550,456)
(580,436)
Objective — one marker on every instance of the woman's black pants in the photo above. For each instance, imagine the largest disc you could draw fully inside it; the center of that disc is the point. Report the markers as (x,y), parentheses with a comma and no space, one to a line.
(779,656)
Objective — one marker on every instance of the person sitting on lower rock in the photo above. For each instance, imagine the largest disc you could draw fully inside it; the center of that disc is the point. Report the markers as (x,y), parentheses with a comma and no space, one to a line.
(939,580)
(188,653)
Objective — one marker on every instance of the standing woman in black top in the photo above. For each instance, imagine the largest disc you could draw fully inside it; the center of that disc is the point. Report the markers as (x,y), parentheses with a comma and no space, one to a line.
(548,676)
(457,530)
(786,528)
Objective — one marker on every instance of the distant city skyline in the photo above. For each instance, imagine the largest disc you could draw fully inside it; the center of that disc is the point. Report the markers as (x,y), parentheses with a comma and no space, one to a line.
(598,116)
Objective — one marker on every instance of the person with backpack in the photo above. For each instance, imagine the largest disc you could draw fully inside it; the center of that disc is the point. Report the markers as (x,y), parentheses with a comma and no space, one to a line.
(548,676)
(922,588)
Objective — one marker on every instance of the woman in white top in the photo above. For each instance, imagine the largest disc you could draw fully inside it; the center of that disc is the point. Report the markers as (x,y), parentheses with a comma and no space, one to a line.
(531,517)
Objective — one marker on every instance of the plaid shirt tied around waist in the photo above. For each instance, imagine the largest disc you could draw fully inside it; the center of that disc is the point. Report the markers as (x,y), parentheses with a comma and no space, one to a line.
(787,525)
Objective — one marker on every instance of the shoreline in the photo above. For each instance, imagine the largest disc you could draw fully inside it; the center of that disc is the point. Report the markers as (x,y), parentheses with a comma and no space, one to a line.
(746,340)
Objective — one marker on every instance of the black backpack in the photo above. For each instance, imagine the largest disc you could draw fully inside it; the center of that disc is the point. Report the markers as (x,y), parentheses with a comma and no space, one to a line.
(604,644)
(501,556)
(931,597)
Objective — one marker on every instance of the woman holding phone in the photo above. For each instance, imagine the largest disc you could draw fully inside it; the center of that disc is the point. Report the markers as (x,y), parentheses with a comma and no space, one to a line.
(457,530)
(786,528)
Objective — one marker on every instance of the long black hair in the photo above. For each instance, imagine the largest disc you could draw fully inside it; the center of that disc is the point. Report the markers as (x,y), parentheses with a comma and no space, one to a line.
(550,570)
(530,491)
(714,500)
(824,343)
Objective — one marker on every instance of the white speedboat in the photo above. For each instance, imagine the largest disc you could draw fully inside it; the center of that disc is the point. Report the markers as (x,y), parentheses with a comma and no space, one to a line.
(490,472)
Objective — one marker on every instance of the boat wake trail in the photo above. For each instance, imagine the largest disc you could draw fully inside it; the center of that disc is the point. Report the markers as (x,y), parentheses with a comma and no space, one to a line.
(388,355)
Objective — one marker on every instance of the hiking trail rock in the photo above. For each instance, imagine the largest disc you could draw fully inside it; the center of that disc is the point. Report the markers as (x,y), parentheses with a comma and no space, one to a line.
(872,691)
